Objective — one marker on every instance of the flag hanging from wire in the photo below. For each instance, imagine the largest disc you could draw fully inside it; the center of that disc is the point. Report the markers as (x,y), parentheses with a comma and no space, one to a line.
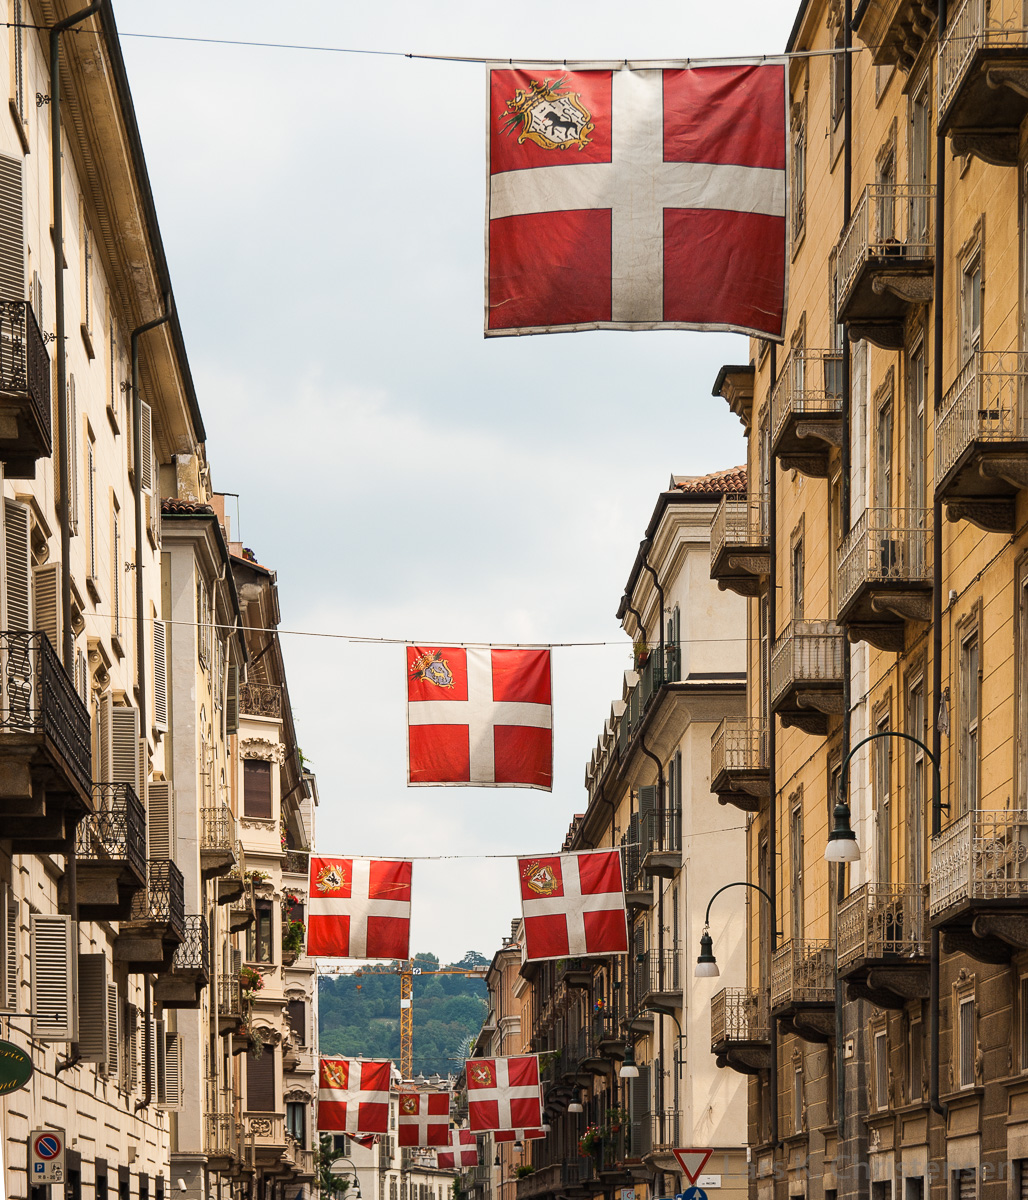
(636,198)
(463,1151)
(353,1096)
(424,1119)
(573,905)
(504,1093)
(359,908)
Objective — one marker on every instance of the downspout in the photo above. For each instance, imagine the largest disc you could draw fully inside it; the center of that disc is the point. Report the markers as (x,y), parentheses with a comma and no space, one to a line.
(63,458)
(940,248)
(137,493)
(645,549)
(635,613)
(660,889)
(772,735)
(150,1058)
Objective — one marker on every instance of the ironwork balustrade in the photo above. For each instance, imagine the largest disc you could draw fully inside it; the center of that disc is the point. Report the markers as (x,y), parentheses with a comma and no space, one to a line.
(810,385)
(577,1171)
(807,652)
(194,952)
(25,363)
(665,1127)
(883,920)
(116,829)
(738,744)
(631,850)
(230,996)
(297,862)
(885,546)
(221,1135)
(260,699)
(987,403)
(658,971)
(891,221)
(739,521)
(803,972)
(661,831)
(36,696)
(739,1015)
(976,25)
(981,856)
(217,828)
(163,902)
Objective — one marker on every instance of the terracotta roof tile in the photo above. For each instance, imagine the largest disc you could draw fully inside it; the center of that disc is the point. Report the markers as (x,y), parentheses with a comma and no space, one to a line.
(172,505)
(718,483)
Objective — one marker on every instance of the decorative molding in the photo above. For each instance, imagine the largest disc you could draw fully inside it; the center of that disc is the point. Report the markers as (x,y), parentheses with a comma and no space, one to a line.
(914,289)
(994,516)
(996,149)
(298,1096)
(257,823)
(885,336)
(262,748)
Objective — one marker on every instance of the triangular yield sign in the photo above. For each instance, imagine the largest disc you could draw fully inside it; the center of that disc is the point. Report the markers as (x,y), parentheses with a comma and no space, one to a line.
(692,1162)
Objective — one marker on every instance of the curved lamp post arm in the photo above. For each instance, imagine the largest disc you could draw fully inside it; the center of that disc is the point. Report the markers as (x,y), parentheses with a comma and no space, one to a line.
(738,883)
(907,737)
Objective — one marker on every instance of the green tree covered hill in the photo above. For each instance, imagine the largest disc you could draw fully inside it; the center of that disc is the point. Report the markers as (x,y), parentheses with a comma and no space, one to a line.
(360,1013)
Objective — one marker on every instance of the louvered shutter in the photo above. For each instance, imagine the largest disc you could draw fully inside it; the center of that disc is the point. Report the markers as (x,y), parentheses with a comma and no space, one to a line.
(173,1072)
(17,560)
(260,1081)
(256,788)
(160,819)
(46,601)
(12,230)
(160,675)
(647,817)
(146,448)
(144,770)
(162,1074)
(51,946)
(125,746)
(94,1042)
(298,1021)
(82,677)
(150,1058)
(232,700)
(130,1072)
(9,977)
(113,1031)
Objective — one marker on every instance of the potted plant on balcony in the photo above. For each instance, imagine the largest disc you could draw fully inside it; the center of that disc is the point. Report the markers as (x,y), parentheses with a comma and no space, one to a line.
(616,1117)
(640,653)
(250,981)
(523,1170)
(591,1142)
(292,942)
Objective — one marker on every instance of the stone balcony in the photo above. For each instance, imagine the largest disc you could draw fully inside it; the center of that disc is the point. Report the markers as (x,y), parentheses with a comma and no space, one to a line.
(25,405)
(981,441)
(806,675)
(217,841)
(740,553)
(221,1141)
(803,988)
(740,1030)
(260,700)
(806,411)
(883,943)
(739,771)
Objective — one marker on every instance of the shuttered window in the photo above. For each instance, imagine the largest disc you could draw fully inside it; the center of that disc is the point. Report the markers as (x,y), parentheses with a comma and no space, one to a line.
(53,992)
(298,1020)
(915,1062)
(160,675)
(18,48)
(46,601)
(965,1184)
(966,1041)
(146,447)
(1021,1166)
(130,1048)
(12,230)
(232,700)
(93,1040)
(91,505)
(72,434)
(881,1070)
(260,1081)
(17,560)
(169,1069)
(9,946)
(160,819)
(119,743)
(116,574)
(113,1029)
(256,788)
(258,936)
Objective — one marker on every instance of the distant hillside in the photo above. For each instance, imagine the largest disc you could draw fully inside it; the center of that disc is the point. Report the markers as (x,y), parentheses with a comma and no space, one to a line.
(360,1014)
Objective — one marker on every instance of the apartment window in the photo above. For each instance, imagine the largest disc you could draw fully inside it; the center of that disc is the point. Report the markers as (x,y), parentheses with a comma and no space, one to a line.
(256,788)
(797,580)
(913,1187)
(258,936)
(764,877)
(886,231)
(883,457)
(797,1098)
(765,655)
(967,1049)
(969,713)
(394,1191)
(971,305)
(112,363)
(882,77)
(203,623)
(87,279)
(883,822)
(796,845)
(798,191)
(91,497)
(1021,750)
(915,1061)
(917,728)
(916,427)
(17,11)
(116,573)
(965,1184)
(298,1020)
(881,1065)
(920,140)
(296,1122)
(838,81)
(260,1081)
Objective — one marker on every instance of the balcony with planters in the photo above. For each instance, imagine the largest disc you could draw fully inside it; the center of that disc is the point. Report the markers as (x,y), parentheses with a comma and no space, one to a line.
(983,79)
(25,405)
(217,841)
(665,1134)
(883,943)
(803,988)
(806,675)
(978,884)
(740,1030)
(658,981)
(156,925)
(182,986)
(740,553)
(806,411)
(47,781)
(110,854)
(739,772)
(234,885)
(981,440)
(886,260)
(885,576)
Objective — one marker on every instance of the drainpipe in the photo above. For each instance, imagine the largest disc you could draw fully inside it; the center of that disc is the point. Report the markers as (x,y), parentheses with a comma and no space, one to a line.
(635,613)
(71,876)
(940,249)
(645,549)
(150,1058)
(772,733)
(68,636)
(660,890)
(137,494)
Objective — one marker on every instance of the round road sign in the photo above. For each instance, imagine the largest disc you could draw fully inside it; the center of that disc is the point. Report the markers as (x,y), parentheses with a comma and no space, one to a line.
(48,1146)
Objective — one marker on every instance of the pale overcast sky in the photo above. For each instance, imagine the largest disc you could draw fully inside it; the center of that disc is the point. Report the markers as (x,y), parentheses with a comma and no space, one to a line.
(323,220)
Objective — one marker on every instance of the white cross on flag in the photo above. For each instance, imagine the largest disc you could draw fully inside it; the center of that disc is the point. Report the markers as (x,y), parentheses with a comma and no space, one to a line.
(503,1093)
(463,1151)
(479,716)
(518,1135)
(573,905)
(647,196)
(424,1119)
(359,908)
(353,1096)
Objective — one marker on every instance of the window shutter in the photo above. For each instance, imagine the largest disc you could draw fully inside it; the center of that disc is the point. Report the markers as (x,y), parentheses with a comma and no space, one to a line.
(51,945)
(93,1015)
(9,977)
(647,801)
(113,1032)
(232,700)
(160,819)
(172,1072)
(146,448)
(150,1060)
(82,677)
(12,230)
(260,1081)
(125,746)
(160,675)
(298,1020)
(162,1074)
(46,601)
(144,770)
(131,1064)
(17,559)
(257,788)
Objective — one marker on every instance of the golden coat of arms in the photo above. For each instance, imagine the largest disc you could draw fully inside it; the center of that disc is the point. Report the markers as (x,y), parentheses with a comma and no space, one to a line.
(330,879)
(549,115)
(482,1074)
(541,878)
(409,1105)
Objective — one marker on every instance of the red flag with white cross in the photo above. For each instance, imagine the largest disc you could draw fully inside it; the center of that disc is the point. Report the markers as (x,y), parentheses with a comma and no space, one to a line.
(573,905)
(353,1096)
(503,1093)
(424,1119)
(359,908)
(480,716)
(637,196)
(463,1151)
(518,1135)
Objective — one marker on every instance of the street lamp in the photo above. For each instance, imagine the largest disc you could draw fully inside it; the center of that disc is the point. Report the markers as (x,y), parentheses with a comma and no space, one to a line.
(628,1069)
(706,963)
(576,1103)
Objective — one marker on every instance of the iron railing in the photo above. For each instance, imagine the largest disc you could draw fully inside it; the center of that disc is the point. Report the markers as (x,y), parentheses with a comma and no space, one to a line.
(36,696)
(883,920)
(738,744)
(24,362)
(116,829)
(163,902)
(803,972)
(982,855)
(739,1015)
(631,853)
(739,521)
(987,403)
(657,971)
(217,828)
(807,652)
(891,221)
(297,862)
(660,831)
(221,1137)
(810,385)
(884,546)
(260,699)
(194,952)
(577,1170)
(976,25)
(230,997)
(665,1129)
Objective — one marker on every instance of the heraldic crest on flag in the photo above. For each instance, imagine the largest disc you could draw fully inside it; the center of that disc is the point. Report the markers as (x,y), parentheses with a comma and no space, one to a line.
(503,1093)
(359,908)
(424,1119)
(573,905)
(353,1096)
(479,716)
(463,1151)
(648,196)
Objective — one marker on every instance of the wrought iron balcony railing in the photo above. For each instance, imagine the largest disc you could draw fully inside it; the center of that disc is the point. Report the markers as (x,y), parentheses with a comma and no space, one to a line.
(976,25)
(665,1129)
(660,832)
(260,699)
(631,854)
(297,862)
(194,952)
(221,1136)
(163,902)
(230,997)
(217,829)
(658,972)
(806,653)
(576,1171)
(981,856)
(881,921)
(803,972)
(116,829)
(25,364)
(809,386)
(885,547)
(988,402)
(36,696)
(739,1015)
(740,521)
(893,223)
(738,744)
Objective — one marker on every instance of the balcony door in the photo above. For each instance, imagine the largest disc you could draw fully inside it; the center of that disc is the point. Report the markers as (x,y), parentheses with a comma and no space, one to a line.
(917,787)
(920,163)
(917,477)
